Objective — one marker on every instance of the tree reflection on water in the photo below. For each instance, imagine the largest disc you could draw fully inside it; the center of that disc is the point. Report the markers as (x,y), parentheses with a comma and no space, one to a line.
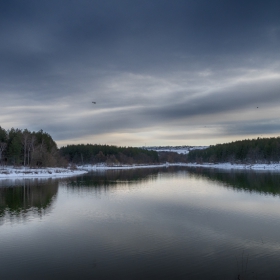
(113,177)
(264,182)
(20,199)
(252,181)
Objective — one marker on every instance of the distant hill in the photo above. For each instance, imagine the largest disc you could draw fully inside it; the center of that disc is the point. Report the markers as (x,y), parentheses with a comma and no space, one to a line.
(176,149)
(173,154)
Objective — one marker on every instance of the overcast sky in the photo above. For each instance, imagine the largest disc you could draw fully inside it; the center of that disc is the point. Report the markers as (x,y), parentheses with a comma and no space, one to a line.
(162,72)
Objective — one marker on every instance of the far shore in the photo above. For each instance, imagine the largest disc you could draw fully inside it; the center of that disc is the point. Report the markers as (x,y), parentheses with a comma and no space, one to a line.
(27,172)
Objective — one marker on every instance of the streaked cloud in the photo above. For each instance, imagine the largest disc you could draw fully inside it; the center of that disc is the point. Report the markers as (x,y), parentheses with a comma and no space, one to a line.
(161,72)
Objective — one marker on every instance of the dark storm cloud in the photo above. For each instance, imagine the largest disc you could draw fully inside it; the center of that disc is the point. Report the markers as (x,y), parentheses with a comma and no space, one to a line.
(125,54)
(133,34)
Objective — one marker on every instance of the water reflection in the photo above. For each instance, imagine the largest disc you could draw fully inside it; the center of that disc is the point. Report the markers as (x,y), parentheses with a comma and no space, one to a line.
(117,178)
(21,198)
(251,181)
(166,223)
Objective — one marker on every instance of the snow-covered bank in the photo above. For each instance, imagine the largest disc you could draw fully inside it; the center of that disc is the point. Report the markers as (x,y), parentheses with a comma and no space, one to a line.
(11,172)
(229,166)
(90,167)
(175,149)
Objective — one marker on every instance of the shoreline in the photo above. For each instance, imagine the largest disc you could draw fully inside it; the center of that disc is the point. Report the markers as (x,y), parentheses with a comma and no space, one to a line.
(229,166)
(9,172)
(26,172)
(225,166)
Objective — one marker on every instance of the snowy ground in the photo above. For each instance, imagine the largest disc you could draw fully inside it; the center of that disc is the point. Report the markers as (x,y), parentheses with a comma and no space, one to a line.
(90,167)
(176,149)
(11,172)
(229,166)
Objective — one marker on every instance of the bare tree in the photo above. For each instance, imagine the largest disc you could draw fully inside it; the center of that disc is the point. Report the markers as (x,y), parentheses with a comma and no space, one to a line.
(24,141)
(30,149)
(3,147)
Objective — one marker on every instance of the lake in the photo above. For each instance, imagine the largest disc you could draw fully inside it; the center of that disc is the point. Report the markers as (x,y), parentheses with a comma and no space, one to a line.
(161,223)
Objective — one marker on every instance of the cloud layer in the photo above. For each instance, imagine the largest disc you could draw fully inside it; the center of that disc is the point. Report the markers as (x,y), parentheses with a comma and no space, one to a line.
(161,72)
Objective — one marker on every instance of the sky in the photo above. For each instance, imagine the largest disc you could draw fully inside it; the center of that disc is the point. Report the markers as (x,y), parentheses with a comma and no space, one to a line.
(162,72)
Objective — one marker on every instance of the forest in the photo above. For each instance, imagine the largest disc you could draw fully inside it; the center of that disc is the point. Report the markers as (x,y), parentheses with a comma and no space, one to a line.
(25,148)
(260,150)
(92,154)
(38,149)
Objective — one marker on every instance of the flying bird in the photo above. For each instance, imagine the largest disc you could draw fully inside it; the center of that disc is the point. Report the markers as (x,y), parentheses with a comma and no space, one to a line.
(93,102)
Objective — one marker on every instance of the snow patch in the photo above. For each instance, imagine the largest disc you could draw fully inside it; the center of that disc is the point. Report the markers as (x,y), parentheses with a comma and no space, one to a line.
(230,166)
(176,149)
(12,172)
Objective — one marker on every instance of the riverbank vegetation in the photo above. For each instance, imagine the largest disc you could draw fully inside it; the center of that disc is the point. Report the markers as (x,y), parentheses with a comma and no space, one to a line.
(93,154)
(260,150)
(38,149)
(25,148)
(172,157)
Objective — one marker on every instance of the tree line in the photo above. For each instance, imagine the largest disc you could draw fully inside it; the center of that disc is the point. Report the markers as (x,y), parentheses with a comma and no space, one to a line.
(25,148)
(260,150)
(92,154)
(172,157)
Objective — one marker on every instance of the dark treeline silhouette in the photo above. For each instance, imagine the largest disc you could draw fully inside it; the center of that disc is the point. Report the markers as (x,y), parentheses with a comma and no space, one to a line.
(23,147)
(260,150)
(172,157)
(92,154)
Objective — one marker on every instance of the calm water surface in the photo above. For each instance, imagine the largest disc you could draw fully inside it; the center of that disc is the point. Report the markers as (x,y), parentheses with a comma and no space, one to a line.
(172,223)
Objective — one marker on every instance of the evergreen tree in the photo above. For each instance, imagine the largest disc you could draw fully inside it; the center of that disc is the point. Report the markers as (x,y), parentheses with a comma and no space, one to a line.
(260,150)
